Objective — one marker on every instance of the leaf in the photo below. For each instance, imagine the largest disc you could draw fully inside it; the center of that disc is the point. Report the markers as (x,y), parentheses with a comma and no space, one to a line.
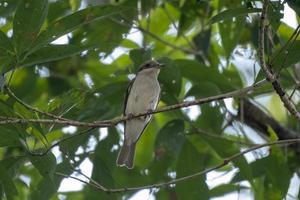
(6,53)
(159,22)
(222,190)
(170,80)
(8,7)
(139,56)
(45,189)
(230,32)
(103,34)
(48,186)
(8,137)
(71,22)
(167,146)
(202,43)
(198,73)
(189,12)
(8,167)
(284,58)
(190,162)
(211,117)
(231,13)
(45,164)
(5,44)
(53,53)
(104,163)
(295,5)
(226,149)
(205,89)
(268,168)
(28,20)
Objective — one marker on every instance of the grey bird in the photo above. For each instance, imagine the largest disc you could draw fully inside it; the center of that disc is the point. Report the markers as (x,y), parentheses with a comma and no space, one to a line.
(142,96)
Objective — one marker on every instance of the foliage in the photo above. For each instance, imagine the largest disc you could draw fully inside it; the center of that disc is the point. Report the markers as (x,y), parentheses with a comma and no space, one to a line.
(63,57)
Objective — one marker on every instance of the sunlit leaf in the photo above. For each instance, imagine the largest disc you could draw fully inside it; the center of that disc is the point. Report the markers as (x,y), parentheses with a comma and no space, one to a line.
(231,13)
(28,20)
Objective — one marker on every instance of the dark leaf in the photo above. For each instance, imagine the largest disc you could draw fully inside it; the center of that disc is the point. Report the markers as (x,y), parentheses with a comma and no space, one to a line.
(139,56)
(45,164)
(190,162)
(71,22)
(52,53)
(231,13)
(198,73)
(28,20)
(167,147)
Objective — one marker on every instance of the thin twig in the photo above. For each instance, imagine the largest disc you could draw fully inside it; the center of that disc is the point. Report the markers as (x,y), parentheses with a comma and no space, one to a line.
(271,77)
(154,36)
(10,93)
(64,139)
(114,122)
(285,46)
(225,162)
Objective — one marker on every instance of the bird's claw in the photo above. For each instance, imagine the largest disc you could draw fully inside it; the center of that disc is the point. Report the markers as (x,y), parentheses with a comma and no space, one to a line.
(129,116)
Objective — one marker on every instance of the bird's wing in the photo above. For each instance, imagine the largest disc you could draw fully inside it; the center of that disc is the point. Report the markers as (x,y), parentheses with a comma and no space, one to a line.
(126,95)
(149,117)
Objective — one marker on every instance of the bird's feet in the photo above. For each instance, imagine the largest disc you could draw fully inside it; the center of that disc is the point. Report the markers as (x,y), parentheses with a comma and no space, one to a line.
(130,116)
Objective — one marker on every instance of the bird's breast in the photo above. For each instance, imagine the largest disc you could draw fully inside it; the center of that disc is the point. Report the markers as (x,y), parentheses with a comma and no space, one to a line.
(143,96)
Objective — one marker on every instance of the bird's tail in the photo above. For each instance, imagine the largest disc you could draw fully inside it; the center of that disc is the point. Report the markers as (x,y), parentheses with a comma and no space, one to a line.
(126,156)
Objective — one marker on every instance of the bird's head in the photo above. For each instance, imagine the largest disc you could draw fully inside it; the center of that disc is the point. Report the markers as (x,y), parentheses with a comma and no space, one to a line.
(150,64)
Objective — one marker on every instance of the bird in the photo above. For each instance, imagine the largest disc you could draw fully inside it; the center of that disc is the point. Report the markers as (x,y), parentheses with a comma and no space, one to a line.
(142,96)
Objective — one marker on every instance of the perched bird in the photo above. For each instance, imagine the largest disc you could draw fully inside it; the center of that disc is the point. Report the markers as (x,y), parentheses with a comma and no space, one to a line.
(142,96)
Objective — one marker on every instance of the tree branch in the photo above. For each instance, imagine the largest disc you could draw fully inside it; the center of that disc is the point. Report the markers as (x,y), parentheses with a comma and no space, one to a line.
(254,117)
(11,94)
(271,77)
(225,162)
(114,122)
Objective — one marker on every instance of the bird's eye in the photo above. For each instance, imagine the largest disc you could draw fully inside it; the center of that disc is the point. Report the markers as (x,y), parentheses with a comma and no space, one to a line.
(147,65)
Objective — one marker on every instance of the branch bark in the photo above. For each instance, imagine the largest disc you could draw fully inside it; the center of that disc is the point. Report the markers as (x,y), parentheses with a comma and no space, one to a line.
(114,122)
(270,75)
(254,117)
(225,162)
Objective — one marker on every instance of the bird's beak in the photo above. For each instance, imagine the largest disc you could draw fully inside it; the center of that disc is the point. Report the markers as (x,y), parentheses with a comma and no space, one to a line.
(161,65)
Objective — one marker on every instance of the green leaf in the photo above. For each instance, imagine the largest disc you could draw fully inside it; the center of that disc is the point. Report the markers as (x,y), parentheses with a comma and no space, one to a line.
(231,13)
(53,53)
(8,137)
(6,52)
(189,12)
(190,162)
(222,190)
(48,186)
(5,44)
(295,5)
(230,32)
(268,168)
(104,163)
(257,167)
(8,7)
(71,22)
(205,89)
(139,56)
(45,189)
(28,20)
(284,58)
(45,164)
(159,22)
(167,146)
(170,79)
(8,167)
(211,117)
(226,149)
(199,73)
